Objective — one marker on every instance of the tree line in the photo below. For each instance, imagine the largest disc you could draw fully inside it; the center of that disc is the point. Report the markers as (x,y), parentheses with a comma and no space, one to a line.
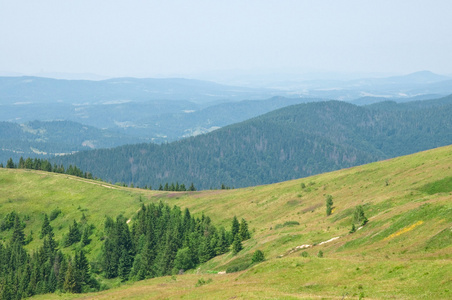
(45,165)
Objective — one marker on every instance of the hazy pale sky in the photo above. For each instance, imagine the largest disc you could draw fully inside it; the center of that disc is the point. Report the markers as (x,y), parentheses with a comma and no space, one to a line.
(185,38)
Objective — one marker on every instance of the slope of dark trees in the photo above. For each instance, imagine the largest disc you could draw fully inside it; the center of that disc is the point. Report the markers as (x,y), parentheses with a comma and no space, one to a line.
(288,143)
(162,241)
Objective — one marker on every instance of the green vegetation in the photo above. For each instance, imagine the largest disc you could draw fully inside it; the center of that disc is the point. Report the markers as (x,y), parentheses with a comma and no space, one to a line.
(162,240)
(441,186)
(45,165)
(358,216)
(292,142)
(39,139)
(286,224)
(258,256)
(403,252)
(329,204)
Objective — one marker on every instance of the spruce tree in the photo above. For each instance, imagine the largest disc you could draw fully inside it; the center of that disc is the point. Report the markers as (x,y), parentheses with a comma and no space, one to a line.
(10,163)
(125,264)
(85,236)
(329,204)
(243,230)
(21,163)
(71,281)
(46,227)
(18,232)
(236,245)
(205,252)
(74,235)
(52,281)
(235,227)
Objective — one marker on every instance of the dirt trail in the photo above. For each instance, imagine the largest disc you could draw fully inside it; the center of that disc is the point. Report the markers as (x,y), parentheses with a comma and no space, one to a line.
(309,246)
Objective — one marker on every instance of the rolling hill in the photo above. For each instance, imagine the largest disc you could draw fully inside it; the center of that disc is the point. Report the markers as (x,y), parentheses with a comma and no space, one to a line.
(292,142)
(403,252)
(45,139)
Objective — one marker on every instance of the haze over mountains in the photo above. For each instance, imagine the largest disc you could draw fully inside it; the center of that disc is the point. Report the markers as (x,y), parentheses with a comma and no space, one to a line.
(162,110)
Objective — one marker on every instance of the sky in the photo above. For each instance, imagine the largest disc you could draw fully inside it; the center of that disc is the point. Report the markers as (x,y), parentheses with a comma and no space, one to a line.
(196,38)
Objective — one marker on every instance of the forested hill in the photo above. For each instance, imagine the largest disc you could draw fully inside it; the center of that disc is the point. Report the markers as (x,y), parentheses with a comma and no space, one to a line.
(44,139)
(291,142)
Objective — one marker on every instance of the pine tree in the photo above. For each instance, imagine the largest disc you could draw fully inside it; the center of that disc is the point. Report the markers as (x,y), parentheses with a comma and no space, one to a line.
(243,230)
(85,236)
(10,163)
(205,252)
(82,267)
(46,228)
(236,245)
(110,258)
(18,232)
(21,163)
(235,227)
(71,281)
(125,264)
(329,204)
(52,281)
(74,235)
(60,266)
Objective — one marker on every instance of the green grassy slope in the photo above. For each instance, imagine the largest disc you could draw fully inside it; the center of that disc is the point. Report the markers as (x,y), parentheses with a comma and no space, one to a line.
(404,252)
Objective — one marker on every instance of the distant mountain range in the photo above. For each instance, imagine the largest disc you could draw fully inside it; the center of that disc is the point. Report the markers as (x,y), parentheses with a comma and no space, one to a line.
(32,90)
(165,110)
(291,142)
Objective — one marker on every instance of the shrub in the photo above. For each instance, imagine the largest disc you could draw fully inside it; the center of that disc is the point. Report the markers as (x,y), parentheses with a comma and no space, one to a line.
(237,268)
(54,214)
(286,224)
(258,256)
(320,254)
(358,215)
(201,282)
(304,254)
(329,204)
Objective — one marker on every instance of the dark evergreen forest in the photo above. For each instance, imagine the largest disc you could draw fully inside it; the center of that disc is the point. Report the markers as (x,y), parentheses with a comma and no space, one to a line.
(292,142)
(162,241)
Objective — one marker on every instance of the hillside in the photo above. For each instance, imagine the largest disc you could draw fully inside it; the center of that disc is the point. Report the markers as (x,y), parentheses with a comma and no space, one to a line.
(292,142)
(403,252)
(44,139)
